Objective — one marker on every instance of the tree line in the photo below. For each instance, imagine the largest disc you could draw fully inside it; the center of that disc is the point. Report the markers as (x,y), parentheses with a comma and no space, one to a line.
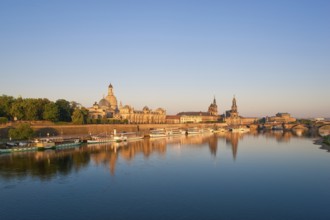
(35,109)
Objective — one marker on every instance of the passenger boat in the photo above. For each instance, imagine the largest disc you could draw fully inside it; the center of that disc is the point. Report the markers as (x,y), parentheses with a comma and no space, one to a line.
(17,149)
(68,144)
(132,136)
(44,144)
(191,131)
(97,139)
(175,132)
(120,138)
(240,129)
(5,150)
(219,130)
(158,133)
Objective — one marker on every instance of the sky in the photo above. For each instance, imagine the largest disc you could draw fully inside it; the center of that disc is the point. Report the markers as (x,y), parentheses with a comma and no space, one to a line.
(274,56)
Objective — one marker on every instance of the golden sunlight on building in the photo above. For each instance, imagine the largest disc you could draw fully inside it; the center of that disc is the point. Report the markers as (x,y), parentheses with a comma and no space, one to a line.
(107,107)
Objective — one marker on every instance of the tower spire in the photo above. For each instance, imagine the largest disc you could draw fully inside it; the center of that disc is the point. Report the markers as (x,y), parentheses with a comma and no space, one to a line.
(234,105)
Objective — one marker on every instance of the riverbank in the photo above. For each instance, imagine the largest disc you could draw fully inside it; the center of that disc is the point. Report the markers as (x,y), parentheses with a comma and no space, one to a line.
(93,129)
(326,140)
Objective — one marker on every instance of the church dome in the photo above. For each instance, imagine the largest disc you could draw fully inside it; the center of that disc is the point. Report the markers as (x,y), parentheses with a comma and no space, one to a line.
(112,100)
(104,103)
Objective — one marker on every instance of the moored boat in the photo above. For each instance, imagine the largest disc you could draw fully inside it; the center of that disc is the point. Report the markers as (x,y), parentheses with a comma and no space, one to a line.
(68,144)
(220,130)
(158,133)
(131,136)
(176,132)
(192,131)
(97,140)
(44,144)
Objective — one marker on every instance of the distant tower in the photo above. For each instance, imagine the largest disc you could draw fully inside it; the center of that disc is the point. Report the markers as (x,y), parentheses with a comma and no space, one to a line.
(234,118)
(213,109)
(111,98)
(110,90)
(234,106)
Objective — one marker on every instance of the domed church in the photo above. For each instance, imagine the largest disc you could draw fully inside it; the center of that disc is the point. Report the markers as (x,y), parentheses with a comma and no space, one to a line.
(107,107)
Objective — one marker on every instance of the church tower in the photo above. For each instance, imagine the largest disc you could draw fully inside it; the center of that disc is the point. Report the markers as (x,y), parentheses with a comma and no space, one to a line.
(234,118)
(213,109)
(111,98)
(110,90)
(234,106)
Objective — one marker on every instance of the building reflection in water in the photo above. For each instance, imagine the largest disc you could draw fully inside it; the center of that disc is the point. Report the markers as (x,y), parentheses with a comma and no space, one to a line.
(49,164)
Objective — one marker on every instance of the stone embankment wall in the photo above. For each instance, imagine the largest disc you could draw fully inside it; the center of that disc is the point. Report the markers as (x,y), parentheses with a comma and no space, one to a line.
(85,130)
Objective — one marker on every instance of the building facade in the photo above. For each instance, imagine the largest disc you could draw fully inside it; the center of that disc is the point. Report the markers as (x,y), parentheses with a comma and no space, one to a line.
(198,117)
(107,107)
(232,118)
(146,116)
(281,118)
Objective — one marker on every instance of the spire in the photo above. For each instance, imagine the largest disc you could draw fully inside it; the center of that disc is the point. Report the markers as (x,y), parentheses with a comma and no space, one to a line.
(234,105)
(110,86)
(214,101)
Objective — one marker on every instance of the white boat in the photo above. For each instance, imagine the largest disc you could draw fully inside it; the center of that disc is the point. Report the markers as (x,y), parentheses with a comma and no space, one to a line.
(175,132)
(207,130)
(158,133)
(191,131)
(120,137)
(97,139)
(240,129)
(131,136)
(220,130)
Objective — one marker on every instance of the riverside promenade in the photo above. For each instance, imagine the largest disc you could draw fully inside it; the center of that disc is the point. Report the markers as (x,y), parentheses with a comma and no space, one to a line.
(42,130)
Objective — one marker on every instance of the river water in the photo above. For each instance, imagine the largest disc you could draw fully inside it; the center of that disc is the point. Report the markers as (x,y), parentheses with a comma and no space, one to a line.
(225,176)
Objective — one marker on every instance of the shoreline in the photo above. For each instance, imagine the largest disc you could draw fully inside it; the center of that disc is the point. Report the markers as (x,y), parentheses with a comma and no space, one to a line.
(67,130)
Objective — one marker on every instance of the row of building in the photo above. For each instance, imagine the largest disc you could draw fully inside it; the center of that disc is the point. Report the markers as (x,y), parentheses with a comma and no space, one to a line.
(108,107)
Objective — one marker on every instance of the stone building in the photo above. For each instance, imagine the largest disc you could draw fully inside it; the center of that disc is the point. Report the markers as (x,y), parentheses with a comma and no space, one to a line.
(197,117)
(107,107)
(144,116)
(172,119)
(232,118)
(281,118)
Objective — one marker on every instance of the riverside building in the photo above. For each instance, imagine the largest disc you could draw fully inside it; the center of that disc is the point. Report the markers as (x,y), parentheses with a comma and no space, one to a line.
(107,108)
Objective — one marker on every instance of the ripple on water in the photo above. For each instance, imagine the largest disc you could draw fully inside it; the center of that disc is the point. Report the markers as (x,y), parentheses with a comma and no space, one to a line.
(9,187)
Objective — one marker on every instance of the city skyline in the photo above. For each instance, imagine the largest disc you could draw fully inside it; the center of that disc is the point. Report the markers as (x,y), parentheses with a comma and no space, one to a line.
(177,55)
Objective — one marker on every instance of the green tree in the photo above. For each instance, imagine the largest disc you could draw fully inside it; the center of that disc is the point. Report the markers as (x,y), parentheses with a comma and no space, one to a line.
(30,109)
(80,116)
(21,132)
(64,110)
(51,112)
(17,109)
(3,120)
(5,105)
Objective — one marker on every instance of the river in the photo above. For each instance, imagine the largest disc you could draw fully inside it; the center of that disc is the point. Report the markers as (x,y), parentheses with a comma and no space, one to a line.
(271,175)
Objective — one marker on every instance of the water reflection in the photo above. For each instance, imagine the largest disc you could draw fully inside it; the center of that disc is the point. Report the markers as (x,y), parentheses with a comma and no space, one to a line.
(49,164)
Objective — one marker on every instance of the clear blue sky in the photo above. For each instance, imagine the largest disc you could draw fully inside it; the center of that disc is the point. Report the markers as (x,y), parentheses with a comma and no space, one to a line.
(273,55)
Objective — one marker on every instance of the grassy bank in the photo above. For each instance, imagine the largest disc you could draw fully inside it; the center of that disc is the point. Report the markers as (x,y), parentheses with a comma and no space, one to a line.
(326,140)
